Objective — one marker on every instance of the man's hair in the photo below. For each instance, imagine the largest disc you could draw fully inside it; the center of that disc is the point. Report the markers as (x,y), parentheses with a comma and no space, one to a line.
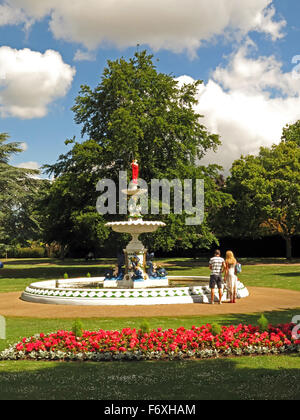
(217,253)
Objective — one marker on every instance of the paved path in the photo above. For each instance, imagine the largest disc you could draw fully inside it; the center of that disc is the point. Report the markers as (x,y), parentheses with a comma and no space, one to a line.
(261,300)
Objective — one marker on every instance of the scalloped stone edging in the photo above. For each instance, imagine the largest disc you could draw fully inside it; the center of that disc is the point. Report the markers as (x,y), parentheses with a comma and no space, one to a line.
(46,292)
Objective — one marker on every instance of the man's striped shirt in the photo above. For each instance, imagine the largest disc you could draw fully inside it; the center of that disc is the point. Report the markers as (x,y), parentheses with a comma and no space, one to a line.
(216,263)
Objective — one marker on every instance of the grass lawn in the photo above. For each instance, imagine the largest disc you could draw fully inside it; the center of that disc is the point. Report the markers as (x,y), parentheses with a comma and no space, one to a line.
(264,377)
(268,377)
(18,274)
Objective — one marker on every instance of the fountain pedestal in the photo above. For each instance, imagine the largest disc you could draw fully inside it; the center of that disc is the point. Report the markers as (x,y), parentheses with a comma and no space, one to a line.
(135,276)
(135,255)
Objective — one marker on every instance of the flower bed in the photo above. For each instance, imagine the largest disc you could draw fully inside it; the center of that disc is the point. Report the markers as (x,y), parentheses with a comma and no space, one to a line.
(132,344)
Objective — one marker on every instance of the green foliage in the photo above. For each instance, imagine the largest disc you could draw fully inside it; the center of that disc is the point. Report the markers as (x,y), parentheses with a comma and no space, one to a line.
(77,328)
(135,111)
(145,327)
(138,112)
(88,275)
(266,190)
(18,191)
(292,133)
(66,276)
(263,323)
(36,252)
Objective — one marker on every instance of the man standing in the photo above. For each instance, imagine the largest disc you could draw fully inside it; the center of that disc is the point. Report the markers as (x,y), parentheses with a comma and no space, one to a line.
(217,266)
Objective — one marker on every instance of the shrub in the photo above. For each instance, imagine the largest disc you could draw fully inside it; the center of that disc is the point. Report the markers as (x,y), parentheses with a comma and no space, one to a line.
(263,323)
(66,276)
(37,252)
(77,328)
(216,329)
(145,327)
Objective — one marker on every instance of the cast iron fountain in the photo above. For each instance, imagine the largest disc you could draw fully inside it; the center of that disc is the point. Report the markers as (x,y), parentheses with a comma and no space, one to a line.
(135,280)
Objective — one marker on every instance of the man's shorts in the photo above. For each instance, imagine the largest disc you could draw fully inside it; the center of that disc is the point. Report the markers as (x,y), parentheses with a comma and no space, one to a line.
(215,280)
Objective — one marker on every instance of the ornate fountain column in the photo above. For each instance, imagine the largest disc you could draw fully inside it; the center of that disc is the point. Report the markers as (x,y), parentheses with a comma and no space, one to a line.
(135,274)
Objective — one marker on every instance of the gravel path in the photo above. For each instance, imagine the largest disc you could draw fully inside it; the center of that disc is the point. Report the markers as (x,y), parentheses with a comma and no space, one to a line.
(261,299)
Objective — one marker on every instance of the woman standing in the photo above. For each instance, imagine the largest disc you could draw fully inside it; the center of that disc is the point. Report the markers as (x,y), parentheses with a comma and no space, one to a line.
(230,277)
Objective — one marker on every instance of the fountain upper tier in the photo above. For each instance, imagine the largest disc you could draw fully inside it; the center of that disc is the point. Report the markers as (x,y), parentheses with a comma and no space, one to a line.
(135,226)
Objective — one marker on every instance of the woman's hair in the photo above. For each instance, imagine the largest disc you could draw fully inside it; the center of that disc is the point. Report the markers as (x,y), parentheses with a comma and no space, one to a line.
(230,258)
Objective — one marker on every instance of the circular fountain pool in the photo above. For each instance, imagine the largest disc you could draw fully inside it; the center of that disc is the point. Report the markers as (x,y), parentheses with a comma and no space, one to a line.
(90,291)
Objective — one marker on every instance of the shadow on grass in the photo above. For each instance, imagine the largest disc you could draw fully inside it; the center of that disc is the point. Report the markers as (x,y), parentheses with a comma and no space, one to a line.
(35,261)
(189,263)
(53,269)
(57,262)
(40,273)
(268,378)
(289,274)
(43,269)
(267,261)
(274,317)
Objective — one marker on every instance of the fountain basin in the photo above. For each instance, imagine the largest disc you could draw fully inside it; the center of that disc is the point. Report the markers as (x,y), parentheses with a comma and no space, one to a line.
(135,250)
(135,227)
(71,292)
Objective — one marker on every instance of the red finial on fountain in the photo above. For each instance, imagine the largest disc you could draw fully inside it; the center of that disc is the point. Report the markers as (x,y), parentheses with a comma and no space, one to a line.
(135,171)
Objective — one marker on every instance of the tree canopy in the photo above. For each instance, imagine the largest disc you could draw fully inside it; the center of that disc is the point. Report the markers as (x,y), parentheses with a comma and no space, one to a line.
(266,189)
(134,112)
(138,112)
(18,187)
(292,133)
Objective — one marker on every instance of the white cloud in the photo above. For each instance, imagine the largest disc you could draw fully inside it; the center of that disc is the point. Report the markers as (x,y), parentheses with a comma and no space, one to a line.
(10,15)
(24,146)
(84,56)
(247,103)
(29,165)
(266,23)
(258,75)
(169,24)
(31,81)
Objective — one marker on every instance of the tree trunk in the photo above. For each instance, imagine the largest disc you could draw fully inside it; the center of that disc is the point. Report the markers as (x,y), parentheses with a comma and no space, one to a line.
(63,251)
(288,247)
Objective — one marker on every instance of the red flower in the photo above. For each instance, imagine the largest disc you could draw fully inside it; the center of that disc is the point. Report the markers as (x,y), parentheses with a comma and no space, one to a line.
(166,341)
(29,347)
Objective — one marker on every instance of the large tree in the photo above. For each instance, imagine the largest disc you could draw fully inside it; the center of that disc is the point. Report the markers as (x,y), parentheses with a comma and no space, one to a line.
(266,189)
(68,217)
(18,188)
(292,133)
(136,112)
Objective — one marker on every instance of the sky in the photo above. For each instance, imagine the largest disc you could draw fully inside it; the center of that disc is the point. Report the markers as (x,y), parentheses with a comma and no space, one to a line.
(247,53)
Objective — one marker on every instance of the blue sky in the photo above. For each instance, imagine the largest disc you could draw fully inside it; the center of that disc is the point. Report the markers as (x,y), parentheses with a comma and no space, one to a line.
(242,51)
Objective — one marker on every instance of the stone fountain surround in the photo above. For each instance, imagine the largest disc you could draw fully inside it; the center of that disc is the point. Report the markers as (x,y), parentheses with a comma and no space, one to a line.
(128,292)
(67,292)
